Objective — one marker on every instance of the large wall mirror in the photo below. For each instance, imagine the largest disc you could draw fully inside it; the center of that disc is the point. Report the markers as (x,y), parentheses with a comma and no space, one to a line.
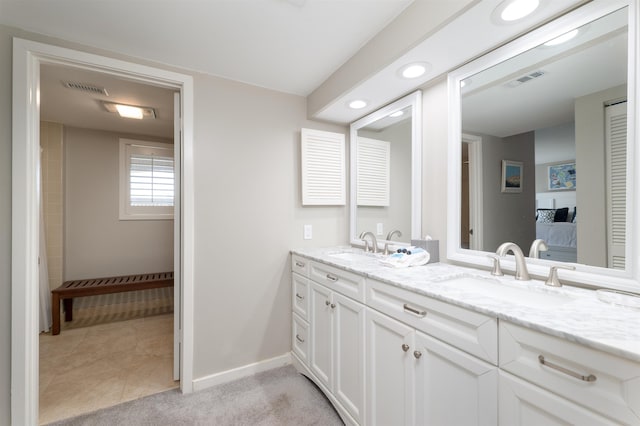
(386,170)
(543,146)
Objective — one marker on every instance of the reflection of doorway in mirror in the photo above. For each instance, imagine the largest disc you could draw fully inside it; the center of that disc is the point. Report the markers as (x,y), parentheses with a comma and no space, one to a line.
(465,231)
(472,193)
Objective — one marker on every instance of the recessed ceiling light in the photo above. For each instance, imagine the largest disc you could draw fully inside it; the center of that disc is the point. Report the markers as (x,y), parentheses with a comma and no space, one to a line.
(130,111)
(357,104)
(414,70)
(563,38)
(396,114)
(513,10)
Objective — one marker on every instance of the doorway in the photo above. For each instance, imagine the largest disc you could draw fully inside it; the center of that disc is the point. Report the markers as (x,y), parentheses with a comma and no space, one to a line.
(471,235)
(28,57)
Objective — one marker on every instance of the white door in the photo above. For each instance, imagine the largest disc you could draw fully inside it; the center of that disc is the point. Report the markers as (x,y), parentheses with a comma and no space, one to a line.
(390,379)
(453,387)
(321,324)
(348,346)
(524,404)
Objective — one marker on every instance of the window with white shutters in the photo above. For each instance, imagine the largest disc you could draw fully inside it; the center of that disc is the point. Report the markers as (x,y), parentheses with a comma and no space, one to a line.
(146,180)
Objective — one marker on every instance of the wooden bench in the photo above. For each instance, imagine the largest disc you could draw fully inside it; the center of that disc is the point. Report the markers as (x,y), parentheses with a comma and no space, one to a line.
(95,286)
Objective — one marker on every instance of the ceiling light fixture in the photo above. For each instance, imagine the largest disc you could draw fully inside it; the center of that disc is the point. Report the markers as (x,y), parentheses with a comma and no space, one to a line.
(514,10)
(396,114)
(130,111)
(563,38)
(414,70)
(357,104)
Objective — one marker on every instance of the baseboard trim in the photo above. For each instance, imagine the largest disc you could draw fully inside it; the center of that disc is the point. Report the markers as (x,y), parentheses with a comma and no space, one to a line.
(240,372)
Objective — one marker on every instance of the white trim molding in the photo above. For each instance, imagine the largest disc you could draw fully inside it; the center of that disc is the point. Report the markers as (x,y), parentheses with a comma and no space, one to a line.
(240,372)
(27,58)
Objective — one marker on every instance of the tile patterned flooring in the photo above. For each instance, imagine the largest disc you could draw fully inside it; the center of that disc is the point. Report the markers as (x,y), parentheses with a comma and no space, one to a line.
(85,369)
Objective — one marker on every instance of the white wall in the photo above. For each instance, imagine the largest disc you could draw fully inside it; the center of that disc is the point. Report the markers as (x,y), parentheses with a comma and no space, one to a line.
(97,243)
(248,216)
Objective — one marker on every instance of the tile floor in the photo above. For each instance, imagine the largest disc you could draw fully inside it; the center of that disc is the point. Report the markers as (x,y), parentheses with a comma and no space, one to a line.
(85,369)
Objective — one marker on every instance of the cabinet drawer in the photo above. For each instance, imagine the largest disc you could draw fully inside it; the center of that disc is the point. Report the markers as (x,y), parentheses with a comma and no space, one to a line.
(346,283)
(470,331)
(300,296)
(597,380)
(300,339)
(300,265)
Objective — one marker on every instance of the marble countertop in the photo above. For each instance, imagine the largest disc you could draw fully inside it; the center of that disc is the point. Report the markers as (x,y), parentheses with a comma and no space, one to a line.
(584,319)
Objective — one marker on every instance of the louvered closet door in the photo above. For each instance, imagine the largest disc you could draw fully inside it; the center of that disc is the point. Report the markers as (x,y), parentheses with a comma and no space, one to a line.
(616,150)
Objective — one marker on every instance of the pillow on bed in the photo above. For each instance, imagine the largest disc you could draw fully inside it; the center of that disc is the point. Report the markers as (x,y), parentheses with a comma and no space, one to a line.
(546,215)
(561,215)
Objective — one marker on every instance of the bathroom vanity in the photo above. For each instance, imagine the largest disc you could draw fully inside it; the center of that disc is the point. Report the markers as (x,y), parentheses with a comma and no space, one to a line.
(444,344)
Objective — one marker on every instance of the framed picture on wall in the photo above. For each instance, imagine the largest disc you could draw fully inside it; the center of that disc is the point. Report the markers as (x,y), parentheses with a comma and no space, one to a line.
(562,176)
(511,176)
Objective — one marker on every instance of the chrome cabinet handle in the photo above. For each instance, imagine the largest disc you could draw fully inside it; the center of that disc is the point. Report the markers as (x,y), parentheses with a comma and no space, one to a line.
(333,306)
(405,347)
(415,311)
(332,278)
(589,378)
(417,354)
(299,339)
(299,264)
(299,297)
(326,302)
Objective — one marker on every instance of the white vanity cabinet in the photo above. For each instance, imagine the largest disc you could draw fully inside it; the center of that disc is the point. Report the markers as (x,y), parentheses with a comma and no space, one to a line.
(415,378)
(567,381)
(335,335)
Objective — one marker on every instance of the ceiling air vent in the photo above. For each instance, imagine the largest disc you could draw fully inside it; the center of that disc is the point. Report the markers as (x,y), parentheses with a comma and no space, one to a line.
(525,78)
(85,87)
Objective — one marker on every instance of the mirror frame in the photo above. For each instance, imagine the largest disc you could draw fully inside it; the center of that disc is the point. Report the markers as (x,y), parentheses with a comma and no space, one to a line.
(413,100)
(584,275)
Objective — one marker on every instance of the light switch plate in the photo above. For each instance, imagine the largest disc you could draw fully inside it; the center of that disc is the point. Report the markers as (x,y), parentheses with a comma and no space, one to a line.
(308,232)
(380,229)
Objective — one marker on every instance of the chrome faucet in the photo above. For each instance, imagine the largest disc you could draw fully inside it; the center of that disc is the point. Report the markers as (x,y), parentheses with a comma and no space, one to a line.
(521,266)
(536,247)
(389,235)
(374,242)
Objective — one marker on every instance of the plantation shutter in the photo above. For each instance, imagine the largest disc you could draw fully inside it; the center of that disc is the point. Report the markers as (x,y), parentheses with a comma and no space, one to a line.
(616,157)
(373,172)
(150,180)
(323,168)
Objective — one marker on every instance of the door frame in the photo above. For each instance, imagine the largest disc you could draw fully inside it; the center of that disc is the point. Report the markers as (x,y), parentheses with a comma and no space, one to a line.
(27,57)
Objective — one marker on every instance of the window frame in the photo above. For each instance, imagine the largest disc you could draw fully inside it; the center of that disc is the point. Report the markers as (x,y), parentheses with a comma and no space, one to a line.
(126,211)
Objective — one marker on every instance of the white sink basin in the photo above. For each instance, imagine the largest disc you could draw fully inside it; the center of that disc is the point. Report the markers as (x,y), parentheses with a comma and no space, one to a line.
(524,296)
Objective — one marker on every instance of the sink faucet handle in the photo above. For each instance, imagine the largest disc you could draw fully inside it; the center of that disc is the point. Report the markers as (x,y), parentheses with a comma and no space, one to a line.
(553,280)
(496,270)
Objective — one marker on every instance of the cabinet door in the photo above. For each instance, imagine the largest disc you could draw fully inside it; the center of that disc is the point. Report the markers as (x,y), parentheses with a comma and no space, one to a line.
(453,387)
(390,378)
(321,325)
(348,365)
(524,404)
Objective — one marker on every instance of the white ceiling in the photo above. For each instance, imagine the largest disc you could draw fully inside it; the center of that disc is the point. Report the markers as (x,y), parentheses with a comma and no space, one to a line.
(287,45)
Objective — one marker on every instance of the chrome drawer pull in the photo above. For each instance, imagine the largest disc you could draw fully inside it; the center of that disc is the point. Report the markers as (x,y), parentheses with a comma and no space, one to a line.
(589,378)
(326,302)
(405,347)
(415,311)
(417,354)
(299,297)
(299,339)
(332,278)
(299,264)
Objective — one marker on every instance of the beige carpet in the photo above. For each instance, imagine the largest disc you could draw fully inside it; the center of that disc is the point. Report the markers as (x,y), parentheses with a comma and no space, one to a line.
(277,397)
(103,309)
